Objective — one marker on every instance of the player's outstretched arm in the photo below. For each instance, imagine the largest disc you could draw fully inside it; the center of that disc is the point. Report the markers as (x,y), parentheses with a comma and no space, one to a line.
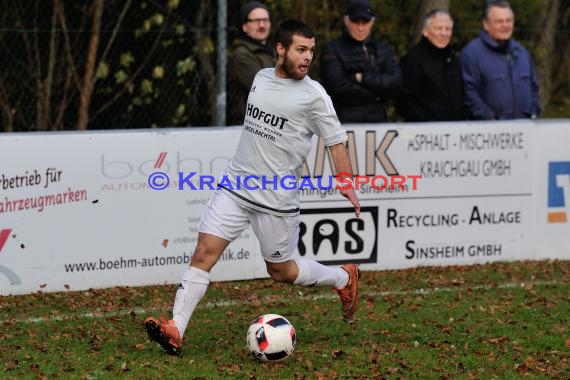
(342,165)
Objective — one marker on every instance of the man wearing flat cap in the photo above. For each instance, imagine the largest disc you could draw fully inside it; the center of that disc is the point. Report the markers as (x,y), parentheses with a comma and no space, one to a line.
(360,73)
(251,54)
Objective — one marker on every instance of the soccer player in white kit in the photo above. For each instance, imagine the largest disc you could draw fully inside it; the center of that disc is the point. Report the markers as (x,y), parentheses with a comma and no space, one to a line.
(285,109)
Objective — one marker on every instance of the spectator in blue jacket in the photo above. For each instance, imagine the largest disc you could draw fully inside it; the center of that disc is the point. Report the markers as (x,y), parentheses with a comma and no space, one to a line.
(498,73)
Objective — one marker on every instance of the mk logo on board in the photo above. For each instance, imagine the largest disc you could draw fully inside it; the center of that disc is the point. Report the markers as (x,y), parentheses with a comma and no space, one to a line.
(558,191)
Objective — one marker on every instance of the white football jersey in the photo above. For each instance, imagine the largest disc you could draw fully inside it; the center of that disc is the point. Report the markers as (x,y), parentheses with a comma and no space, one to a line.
(281,117)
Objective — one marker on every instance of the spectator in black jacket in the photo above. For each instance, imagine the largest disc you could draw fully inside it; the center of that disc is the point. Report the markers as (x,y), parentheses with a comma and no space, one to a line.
(360,73)
(433,85)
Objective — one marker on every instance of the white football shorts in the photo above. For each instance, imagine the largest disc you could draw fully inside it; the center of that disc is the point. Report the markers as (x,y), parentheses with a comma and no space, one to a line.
(227,218)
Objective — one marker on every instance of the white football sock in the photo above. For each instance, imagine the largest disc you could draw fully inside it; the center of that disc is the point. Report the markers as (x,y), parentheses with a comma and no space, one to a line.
(190,291)
(312,273)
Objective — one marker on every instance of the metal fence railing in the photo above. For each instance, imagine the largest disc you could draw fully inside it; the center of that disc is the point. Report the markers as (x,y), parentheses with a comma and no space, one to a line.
(157,63)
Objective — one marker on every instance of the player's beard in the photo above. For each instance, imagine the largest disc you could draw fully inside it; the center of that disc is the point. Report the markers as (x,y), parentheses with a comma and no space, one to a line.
(290,69)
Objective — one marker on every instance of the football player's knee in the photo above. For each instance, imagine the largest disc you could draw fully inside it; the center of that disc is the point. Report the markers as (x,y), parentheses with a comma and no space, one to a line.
(280,275)
(202,254)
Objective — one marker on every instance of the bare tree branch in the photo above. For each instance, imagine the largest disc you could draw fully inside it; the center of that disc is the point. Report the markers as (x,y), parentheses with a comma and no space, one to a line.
(50,70)
(204,59)
(114,34)
(129,82)
(546,39)
(59,9)
(7,114)
(87,88)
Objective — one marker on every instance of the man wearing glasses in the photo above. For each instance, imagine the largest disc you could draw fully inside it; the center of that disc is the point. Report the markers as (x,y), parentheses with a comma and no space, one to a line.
(251,54)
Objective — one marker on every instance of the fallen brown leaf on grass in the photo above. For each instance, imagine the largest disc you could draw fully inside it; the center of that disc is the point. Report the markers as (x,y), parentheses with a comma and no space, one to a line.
(10,365)
(499,340)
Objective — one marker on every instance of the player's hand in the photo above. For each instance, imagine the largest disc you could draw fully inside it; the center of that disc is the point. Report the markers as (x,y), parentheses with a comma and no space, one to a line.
(349,193)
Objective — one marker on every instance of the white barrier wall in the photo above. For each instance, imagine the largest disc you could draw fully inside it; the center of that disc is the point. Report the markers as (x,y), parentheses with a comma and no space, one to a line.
(551,191)
(76,210)
(472,204)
